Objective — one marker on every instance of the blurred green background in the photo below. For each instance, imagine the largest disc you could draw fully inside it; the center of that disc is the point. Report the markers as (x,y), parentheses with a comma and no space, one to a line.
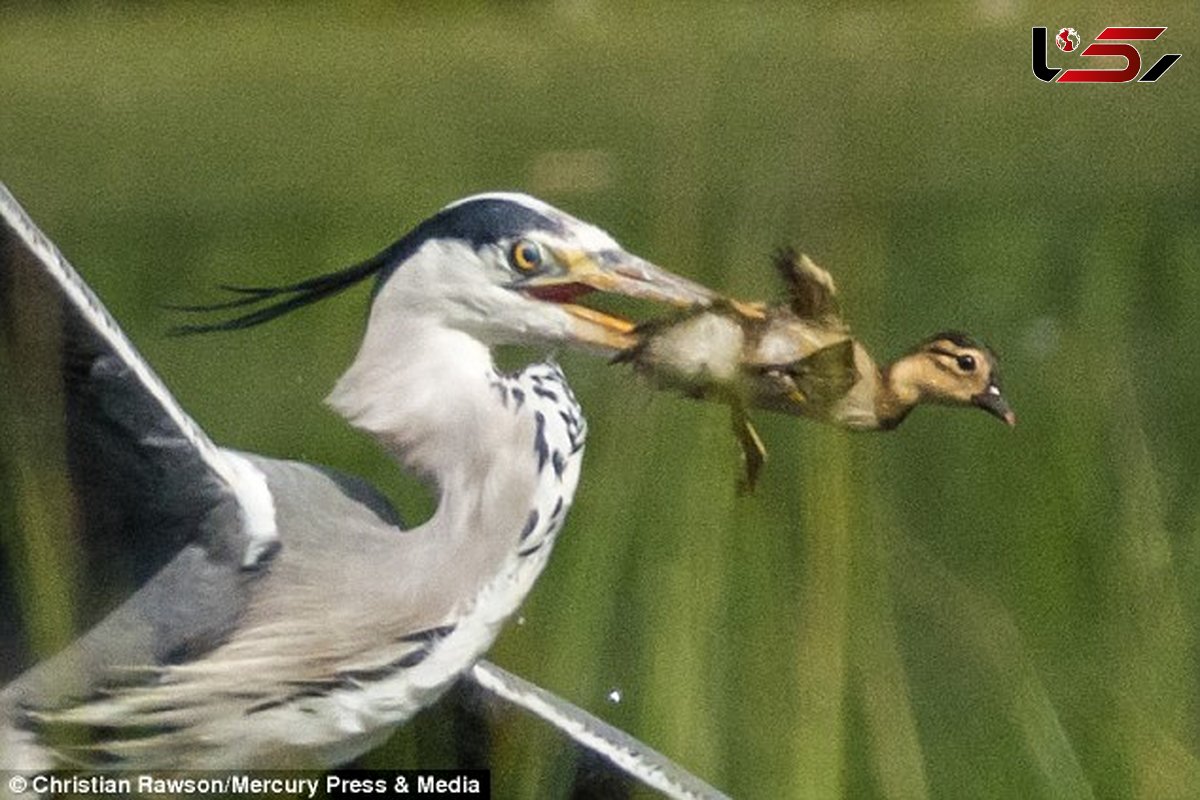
(951,610)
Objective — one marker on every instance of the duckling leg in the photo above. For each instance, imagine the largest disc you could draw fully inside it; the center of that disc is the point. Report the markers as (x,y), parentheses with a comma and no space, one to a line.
(754,452)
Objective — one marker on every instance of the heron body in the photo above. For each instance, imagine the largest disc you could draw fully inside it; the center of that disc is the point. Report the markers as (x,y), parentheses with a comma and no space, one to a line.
(297,622)
(360,651)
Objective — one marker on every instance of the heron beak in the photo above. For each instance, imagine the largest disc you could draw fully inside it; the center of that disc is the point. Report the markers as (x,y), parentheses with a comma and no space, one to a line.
(624,274)
(616,273)
(993,402)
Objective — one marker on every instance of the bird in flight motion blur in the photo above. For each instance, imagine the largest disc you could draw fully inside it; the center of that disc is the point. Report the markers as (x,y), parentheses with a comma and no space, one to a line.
(282,617)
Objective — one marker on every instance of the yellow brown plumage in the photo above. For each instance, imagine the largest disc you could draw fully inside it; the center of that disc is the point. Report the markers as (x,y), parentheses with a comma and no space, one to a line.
(800,358)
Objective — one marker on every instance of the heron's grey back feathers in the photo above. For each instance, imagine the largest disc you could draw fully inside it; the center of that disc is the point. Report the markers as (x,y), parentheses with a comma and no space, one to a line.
(190,607)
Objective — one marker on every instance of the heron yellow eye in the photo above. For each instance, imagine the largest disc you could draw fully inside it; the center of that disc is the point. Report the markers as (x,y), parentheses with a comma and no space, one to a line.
(526,255)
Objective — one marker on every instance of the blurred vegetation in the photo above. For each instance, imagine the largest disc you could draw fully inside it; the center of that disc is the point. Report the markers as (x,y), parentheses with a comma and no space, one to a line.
(951,610)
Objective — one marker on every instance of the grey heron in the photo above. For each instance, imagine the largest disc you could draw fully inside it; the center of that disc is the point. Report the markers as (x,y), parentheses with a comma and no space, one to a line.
(283,617)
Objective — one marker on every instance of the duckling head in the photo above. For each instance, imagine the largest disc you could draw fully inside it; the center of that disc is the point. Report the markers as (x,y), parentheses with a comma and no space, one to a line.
(951,368)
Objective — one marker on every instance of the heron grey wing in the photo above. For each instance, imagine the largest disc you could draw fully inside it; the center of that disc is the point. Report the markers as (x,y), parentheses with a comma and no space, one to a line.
(637,759)
(139,486)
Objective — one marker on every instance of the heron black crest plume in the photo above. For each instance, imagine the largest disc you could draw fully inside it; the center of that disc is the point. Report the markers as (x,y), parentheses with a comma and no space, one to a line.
(475,220)
(275,301)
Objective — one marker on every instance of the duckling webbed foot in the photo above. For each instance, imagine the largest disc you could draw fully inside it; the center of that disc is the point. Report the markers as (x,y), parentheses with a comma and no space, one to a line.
(754,452)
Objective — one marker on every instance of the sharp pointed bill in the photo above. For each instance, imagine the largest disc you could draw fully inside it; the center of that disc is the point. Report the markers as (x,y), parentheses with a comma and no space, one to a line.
(610,271)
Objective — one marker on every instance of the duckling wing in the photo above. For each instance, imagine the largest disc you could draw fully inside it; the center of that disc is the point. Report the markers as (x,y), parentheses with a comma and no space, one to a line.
(814,382)
(827,374)
(812,293)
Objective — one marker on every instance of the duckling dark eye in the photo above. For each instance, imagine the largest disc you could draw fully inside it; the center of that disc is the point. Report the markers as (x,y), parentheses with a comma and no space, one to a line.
(526,255)
(966,363)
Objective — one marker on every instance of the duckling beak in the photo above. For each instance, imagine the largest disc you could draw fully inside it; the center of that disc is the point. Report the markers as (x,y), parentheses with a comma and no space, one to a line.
(993,402)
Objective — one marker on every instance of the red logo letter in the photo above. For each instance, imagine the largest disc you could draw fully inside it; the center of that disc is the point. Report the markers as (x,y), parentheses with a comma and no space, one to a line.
(1130,53)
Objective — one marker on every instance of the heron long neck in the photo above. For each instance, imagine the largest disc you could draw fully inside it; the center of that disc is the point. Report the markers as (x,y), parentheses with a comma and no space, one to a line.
(431,396)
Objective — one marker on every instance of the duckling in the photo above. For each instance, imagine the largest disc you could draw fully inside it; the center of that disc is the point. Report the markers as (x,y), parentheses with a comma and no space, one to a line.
(800,358)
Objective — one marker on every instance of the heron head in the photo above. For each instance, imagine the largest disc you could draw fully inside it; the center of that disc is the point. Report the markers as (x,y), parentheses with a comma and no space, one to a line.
(510,269)
(502,268)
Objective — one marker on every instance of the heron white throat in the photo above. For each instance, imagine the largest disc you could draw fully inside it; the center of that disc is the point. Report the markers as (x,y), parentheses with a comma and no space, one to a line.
(295,622)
